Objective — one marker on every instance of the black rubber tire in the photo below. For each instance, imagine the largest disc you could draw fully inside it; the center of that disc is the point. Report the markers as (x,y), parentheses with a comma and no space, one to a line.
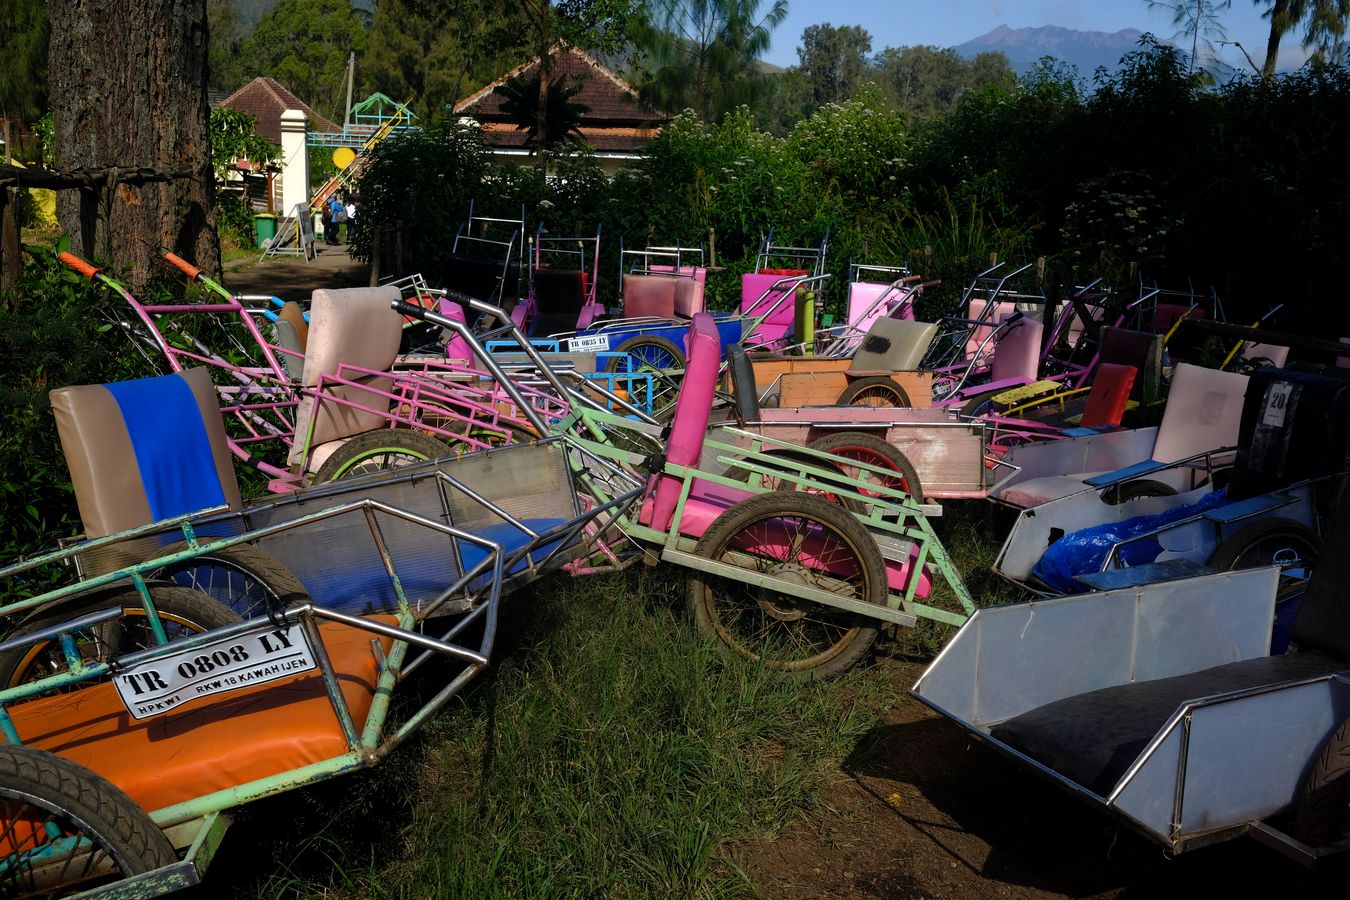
(662,401)
(863,447)
(494,437)
(59,795)
(395,446)
(182,611)
(846,637)
(1324,799)
(1235,553)
(877,387)
(1133,490)
(241,578)
(979,404)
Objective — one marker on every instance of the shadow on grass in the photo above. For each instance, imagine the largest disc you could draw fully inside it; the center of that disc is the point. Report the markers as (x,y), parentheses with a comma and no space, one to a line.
(1040,836)
(609,749)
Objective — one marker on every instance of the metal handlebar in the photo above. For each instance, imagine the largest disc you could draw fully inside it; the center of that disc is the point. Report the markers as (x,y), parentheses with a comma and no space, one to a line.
(507,327)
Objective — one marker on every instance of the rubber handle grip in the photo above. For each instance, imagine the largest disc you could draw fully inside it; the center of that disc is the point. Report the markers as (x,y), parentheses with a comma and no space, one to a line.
(409,309)
(79,265)
(182,265)
(458,296)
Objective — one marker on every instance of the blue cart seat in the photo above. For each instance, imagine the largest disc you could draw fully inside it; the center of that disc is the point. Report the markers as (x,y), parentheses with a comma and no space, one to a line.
(145,450)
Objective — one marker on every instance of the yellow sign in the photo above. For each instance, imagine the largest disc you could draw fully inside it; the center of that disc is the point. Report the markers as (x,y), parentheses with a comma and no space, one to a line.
(343,157)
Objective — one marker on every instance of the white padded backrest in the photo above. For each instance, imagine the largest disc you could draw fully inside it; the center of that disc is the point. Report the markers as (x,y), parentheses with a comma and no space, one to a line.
(352,326)
(1204,409)
(1017,353)
(893,345)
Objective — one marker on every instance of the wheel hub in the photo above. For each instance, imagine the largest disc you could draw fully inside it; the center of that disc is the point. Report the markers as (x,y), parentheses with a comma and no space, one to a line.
(783,607)
(1287,558)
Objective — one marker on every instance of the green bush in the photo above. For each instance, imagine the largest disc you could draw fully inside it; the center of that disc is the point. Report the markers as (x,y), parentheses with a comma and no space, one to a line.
(1147,171)
(234,220)
(53,332)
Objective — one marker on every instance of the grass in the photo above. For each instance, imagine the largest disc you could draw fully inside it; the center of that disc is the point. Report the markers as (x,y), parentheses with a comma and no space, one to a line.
(232,251)
(610,751)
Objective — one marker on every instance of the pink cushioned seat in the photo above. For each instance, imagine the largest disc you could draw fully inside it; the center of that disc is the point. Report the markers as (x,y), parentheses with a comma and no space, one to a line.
(754,303)
(649,295)
(861,297)
(1017,353)
(689,424)
(979,310)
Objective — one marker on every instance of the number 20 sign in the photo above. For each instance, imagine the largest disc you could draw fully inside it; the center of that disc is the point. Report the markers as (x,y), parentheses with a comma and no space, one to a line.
(231,663)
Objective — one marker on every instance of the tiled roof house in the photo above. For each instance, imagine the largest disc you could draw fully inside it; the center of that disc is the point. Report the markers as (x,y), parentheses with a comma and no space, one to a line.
(267,98)
(616,124)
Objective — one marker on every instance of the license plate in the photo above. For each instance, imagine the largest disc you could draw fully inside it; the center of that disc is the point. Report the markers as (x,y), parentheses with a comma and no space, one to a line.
(588,342)
(1276,404)
(229,664)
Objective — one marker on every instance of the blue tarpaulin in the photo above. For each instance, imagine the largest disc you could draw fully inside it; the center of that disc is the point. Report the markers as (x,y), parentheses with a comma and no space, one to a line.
(1085,550)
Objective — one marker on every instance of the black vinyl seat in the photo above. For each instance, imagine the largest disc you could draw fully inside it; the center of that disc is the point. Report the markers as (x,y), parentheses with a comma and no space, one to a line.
(558,298)
(1093,738)
(486,279)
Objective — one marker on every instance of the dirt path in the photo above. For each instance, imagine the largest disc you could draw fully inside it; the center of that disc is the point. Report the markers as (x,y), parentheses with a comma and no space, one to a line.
(921,811)
(292,278)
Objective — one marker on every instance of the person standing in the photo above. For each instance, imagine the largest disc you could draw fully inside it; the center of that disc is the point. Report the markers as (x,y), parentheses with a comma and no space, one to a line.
(334,214)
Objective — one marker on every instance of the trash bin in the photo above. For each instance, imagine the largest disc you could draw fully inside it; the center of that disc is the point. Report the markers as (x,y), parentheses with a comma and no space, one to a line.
(265,226)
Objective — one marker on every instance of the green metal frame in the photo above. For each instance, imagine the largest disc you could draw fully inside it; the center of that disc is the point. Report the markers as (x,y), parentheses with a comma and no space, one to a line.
(369,740)
(891,516)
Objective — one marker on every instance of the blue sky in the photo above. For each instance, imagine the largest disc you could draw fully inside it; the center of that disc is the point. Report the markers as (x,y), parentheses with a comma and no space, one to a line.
(946,23)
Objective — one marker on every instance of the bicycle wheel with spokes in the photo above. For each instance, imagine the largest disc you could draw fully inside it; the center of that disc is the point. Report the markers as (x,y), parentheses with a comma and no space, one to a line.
(792,539)
(878,391)
(241,578)
(1275,541)
(64,829)
(182,612)
(380,451)
(653,355)
(859,446)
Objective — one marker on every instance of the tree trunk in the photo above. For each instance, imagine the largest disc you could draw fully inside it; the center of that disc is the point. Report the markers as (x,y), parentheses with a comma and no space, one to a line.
(132,92)
(1278,13)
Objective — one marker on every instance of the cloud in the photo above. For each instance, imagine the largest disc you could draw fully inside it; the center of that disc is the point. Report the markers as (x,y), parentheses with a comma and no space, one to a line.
(997,7)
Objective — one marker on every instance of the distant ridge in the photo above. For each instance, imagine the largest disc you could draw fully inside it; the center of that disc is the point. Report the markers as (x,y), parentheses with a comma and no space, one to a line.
(1084,49)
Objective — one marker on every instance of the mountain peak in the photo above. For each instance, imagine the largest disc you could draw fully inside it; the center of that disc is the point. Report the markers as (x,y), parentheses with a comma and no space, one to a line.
(1086,50)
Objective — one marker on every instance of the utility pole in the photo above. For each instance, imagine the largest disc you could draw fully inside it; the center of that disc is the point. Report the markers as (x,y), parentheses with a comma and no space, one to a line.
(351,74)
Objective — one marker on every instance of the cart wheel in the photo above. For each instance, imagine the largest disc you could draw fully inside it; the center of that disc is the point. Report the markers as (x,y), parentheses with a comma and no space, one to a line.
(979,405)
(379,451)
(1133,490)
(64,829)
(773,483)
(1268,542)
(500,435)
(860,446)
(874,390)
(241,578)
(654,355)
(183,612)
(1271,541)
(1324,800)
(799,539)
